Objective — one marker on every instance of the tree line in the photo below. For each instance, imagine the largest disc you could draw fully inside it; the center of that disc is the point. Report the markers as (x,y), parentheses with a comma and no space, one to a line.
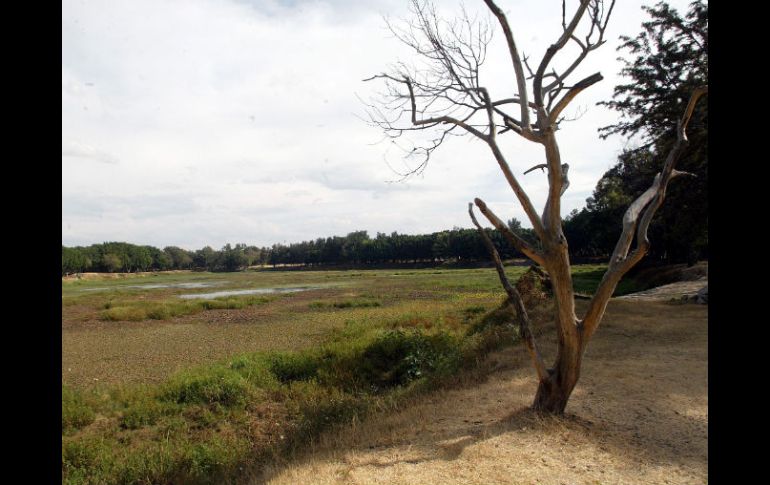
(357,248)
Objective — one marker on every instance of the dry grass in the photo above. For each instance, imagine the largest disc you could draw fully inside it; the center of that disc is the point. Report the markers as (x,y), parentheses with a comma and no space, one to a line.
(638,416)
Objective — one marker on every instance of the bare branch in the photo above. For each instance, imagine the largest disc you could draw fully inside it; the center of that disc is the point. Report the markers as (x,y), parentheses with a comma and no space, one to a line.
(528,134)
(598,23)
(574,91)
(444,92)
(440,119)
(701,91)
(552,50)
(649,202)
(520,244)
(517,67)
(541,166)
(525,328)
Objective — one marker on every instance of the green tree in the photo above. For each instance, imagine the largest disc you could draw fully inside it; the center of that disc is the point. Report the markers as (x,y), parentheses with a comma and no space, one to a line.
(205,258)
(112,262)
(180,259)
(73,260)
(667,61)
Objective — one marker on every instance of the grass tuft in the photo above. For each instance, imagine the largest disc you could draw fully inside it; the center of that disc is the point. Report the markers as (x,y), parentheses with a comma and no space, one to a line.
(216,385)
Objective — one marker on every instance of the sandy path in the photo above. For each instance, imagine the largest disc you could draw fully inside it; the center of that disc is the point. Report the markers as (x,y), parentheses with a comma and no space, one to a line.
(638,416)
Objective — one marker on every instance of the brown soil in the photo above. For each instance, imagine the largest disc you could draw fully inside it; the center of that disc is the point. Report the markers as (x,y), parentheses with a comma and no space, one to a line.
(639,415)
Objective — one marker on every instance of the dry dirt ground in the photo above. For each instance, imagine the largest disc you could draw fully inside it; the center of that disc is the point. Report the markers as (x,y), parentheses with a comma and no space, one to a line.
(639,415)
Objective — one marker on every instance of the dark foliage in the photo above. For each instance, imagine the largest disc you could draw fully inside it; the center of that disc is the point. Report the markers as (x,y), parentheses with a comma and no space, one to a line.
(666,62)
(356,248)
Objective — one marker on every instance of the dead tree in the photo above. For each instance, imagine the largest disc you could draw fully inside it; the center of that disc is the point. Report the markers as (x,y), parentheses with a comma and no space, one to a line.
(445,95)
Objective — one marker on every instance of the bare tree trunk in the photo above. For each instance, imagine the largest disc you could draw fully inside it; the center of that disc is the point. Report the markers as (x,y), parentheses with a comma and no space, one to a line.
(554,391)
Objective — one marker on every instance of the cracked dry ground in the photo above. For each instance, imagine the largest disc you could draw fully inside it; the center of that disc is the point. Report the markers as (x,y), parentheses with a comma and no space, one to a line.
(639,415)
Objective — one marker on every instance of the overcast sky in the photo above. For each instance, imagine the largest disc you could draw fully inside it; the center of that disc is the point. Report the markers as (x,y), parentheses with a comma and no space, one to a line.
(203,122)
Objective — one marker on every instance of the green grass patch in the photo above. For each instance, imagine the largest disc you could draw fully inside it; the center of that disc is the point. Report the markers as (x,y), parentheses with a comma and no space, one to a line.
(345,304)
(164,310)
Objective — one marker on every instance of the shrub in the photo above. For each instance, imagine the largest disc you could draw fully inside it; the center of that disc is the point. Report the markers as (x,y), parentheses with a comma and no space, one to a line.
(159,312)
(502,316)
(207,386)
(397,357)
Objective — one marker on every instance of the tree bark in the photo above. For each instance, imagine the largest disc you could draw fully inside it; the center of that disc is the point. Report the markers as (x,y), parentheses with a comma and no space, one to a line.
(554,393)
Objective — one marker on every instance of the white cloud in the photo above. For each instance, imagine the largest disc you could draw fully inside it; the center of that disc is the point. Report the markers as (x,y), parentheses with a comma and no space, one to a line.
(235,121)
(84,150)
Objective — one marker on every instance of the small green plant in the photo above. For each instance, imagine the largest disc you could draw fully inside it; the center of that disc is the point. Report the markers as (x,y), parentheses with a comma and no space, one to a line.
(218,385)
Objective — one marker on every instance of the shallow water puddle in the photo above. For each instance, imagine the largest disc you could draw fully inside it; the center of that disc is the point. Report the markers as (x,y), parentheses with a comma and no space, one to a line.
(254,291)
(176,285)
